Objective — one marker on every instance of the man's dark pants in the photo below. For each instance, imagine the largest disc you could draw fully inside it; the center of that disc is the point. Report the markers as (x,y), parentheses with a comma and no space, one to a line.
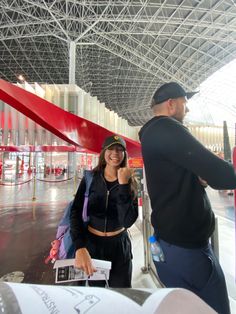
(197,270)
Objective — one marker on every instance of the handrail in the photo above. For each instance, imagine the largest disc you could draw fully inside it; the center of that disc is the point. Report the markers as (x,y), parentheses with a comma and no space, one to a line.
(149,266)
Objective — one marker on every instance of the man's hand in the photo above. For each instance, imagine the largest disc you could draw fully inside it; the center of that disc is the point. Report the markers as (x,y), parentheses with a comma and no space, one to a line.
(203,182)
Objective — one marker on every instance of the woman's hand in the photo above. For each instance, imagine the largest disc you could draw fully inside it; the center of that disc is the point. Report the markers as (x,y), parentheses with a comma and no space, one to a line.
(83,261)
(124,174)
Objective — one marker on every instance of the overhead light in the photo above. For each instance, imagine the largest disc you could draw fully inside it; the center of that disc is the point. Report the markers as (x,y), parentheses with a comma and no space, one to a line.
(21,78)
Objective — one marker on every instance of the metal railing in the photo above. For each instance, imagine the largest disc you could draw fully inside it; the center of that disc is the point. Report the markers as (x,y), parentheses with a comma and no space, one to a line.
(147,230)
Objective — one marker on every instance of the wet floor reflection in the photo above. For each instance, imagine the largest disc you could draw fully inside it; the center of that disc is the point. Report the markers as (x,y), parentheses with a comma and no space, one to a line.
(27,227)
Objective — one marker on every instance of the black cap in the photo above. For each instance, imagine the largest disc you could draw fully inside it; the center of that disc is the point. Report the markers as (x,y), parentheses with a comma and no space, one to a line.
(112,140)
(170,90)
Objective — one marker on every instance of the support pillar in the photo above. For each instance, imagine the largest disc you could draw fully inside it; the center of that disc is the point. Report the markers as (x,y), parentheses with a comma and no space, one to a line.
(227,149)
(72,59)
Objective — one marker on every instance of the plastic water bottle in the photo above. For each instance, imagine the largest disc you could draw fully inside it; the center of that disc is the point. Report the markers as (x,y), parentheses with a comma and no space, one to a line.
(156,250)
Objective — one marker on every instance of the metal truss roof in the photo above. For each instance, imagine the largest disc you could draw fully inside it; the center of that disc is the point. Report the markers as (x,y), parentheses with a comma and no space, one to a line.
(124,49)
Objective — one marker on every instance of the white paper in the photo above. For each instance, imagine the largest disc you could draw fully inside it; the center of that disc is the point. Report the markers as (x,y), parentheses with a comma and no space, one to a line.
(41,299)
(66,272)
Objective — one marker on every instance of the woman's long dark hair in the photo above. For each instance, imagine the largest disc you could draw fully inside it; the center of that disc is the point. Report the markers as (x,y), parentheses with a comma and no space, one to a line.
(102,164)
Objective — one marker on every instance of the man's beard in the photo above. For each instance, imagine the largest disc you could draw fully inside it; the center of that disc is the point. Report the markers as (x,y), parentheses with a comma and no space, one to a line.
(176,117)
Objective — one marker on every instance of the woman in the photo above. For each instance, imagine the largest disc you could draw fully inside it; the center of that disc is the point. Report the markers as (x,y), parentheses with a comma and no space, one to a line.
(112,207)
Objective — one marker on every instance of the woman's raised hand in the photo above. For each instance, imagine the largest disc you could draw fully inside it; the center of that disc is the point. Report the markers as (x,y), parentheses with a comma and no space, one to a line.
(124,174)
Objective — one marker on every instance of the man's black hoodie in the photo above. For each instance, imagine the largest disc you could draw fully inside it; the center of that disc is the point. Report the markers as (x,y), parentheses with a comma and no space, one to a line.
(175,162)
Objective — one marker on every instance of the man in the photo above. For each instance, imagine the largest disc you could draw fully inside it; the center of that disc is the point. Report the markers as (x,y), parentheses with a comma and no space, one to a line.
(178,168)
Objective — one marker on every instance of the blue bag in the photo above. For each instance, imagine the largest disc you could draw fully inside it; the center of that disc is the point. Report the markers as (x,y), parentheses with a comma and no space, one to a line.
(63,246)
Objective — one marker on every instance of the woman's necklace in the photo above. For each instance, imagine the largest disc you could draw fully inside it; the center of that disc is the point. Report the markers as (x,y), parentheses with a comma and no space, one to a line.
(109,177)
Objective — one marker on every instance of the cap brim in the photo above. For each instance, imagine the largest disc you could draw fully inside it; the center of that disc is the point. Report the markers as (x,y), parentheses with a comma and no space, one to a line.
(164,98)
(114,143)
(191,94)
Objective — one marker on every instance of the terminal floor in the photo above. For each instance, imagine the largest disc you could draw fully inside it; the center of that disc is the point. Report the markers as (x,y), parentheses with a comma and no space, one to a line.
(27,227)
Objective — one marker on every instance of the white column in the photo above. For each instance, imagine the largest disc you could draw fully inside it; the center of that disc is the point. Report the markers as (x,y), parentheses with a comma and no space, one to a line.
(101,114)
(87,105)
(56,95)
(107,118)
(80,105)
(111,121)
(66,99)
(115,122)
(94,109)
(72,57)
(22,129)
(48,93)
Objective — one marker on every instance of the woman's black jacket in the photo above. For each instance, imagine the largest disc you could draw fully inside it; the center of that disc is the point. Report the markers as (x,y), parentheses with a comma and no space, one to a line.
(107,210)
